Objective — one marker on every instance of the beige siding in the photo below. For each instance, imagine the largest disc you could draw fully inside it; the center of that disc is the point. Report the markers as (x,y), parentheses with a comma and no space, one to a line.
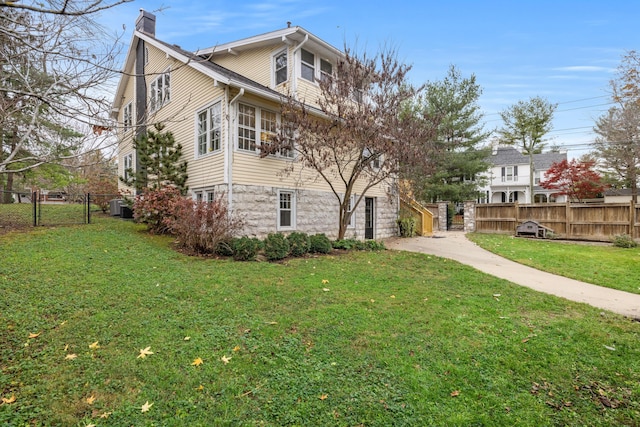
(254,64)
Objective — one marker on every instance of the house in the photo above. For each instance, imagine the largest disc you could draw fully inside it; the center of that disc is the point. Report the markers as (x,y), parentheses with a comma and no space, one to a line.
(221,104)
(619,195)
(508,178)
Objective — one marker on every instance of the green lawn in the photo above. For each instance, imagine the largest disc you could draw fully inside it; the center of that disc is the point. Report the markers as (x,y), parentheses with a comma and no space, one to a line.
(362,339)
(603,265)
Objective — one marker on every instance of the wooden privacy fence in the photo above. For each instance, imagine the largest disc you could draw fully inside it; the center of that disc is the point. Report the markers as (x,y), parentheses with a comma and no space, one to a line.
(578,221)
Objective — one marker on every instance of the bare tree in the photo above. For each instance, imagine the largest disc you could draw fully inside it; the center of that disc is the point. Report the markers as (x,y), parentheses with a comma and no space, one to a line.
(357,136)
(54,62)
(618,141)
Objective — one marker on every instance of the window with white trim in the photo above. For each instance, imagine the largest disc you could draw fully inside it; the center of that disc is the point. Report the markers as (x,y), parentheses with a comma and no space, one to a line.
(127,166)
(210,196)
(209,129)
(160,91)
(326,70)
(509,173)
(536,177)
(253,121)
(286,210)
(280,67)
(307,65)
(352,218)
(127,116)
(246,127)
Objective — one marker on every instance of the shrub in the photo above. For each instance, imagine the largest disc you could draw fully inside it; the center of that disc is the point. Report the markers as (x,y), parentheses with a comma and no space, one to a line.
(373,245)
(276,246)
(201,227)
(624,241)
(358,245)
(346,244)
(155,207)
(245,248)
(225,248)
(299,243)
(319,244)
(407,226)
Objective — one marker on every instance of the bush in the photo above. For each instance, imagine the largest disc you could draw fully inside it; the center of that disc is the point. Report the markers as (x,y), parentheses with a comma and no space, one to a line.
(358,245)
(346,244)
(319,244)
(245,248)
(225,248)
(407,226)
(299,243)
(201,227)
(276,246)
(373,245)
(155,207)
(624,241)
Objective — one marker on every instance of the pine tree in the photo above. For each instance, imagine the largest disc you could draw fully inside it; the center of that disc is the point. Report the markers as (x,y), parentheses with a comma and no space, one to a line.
(159,162)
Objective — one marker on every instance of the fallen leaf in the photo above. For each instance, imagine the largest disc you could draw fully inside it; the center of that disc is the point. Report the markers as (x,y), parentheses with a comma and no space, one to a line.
(455,393)
(372,300)
(236,348)
(64,322)
(32,335)
(105,415)
(94,346)
(325,281)
(70,356)
(144,352)
(91,425)
(392,296)
(146,406)
(197,362)
(91,399)
(497,295)
(66,347)
(271,323)
(525,340)
(9,400)
(187,338)
(325,289)
(200,388)
(610,348)
(323,397)
(225,359)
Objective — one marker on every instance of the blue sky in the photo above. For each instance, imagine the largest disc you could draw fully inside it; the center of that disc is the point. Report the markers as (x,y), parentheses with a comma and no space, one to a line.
(565,51)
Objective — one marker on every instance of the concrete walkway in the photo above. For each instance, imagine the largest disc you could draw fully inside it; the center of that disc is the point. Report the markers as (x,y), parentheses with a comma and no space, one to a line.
(454,245)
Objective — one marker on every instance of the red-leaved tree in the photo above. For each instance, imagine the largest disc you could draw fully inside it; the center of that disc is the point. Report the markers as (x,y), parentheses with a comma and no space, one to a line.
(576,179)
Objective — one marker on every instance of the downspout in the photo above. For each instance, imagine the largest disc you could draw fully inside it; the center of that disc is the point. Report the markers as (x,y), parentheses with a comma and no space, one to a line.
(294,78)
(230,147)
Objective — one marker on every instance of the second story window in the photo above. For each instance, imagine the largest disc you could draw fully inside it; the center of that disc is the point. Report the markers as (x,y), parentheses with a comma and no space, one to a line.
(127,116)
(280,67)
(307,65)
(509,173)
(326,70)
(246,127)
(160,91)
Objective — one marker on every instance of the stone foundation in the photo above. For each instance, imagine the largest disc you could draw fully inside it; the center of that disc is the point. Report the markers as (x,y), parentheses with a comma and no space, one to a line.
(315,212)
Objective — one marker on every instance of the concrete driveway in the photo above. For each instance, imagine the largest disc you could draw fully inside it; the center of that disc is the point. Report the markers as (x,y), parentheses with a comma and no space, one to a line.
(454,245)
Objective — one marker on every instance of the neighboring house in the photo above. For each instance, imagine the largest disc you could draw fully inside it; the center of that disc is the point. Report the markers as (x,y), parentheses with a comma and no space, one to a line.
(508,177)
(221,104)
(622,195)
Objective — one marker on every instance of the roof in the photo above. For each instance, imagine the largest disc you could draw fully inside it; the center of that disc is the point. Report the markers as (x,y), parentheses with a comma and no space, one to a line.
(289,35)
(618,192)
(511,156)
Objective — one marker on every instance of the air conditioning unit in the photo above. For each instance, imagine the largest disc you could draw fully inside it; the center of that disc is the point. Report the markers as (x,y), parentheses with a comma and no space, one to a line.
(114,207)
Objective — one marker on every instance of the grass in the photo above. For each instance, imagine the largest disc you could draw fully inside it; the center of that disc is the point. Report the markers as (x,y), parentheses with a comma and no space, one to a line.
(608,266)
(370,339)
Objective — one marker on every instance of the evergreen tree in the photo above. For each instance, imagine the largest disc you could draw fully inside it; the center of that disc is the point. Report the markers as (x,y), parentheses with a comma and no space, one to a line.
(159,163)
(452,106)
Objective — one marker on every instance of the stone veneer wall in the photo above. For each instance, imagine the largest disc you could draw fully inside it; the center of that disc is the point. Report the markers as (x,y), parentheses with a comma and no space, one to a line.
(315,212)
(469,216)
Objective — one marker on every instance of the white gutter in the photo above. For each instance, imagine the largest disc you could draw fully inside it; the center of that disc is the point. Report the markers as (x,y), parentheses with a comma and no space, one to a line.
(228,158)
(293,71)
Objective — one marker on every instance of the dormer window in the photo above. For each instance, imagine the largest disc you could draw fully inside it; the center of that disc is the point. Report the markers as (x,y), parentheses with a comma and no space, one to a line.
(326,70)
(307,65)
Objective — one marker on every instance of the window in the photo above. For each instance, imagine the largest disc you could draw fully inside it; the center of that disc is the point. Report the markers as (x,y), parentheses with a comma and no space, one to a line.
(146,55)
(536,177)
(160,91)
(352,219)
(286,210)
(307,65)
(509,173)
(253,121)
(209,129)
(127,116)
(326,70)
(198,196)
(127,166)
(210,197)
(246,127)
(280,67)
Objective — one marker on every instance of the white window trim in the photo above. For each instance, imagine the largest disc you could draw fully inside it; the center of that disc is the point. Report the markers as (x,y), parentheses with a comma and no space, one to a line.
(127,124)
(165,96)
(131,156)
(208,149)
(317,67)
(280,227)
(258,131)
(352,220)
(277,53)
(203,195)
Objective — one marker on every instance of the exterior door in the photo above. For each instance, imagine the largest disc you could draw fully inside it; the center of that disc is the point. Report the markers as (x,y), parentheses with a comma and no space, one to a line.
(369,218)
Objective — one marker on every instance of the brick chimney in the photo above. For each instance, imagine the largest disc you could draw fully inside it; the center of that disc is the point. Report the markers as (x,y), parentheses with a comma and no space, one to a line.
(146,23)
